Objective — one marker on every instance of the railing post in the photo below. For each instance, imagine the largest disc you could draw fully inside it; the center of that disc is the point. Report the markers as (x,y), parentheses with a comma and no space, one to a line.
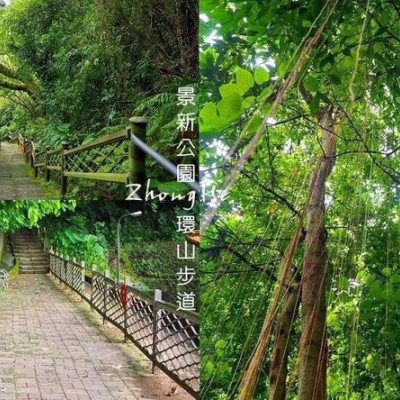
(157,297)
(91,287)
(47,171)
(70,278)
(25,149)
(127,283)
(82,289)
(35,170)
(63,177)
(106,275)
(64,270)
(31,161)
(50,255)
(59,267)
(137,157)
(56,264)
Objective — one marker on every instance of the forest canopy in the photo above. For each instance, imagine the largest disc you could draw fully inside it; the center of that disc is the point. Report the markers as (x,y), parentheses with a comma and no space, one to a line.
(301,284)
(78,69)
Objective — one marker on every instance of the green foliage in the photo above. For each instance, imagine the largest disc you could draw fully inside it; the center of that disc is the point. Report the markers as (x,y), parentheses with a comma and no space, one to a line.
(95,64)
(155,264)
(23,213)
(248,49)
(87,231)
(72,236)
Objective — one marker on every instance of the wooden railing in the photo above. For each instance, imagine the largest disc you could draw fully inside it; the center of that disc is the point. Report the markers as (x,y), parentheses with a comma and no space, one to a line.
(120,158)
(112,158)
(167,336)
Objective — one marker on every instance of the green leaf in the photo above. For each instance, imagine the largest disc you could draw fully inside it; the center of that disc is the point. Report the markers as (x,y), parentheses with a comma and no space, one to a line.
(229,108)
(261,75)
(248,101)
(244,78)
(386,271)
(311,84)
(209,367)
(395,278)
(335,79)
(221,343)
(285,67)
(375,290)
(343,283)
(255,124)
(232,88)
(209,120)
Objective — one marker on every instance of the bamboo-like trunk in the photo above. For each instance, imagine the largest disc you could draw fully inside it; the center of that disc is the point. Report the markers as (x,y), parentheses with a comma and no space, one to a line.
(278,368)
(313,348)
(252,370)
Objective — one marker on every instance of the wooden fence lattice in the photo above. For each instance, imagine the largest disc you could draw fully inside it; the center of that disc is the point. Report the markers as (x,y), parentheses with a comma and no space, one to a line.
(167,336)
(116,158)
(112,158)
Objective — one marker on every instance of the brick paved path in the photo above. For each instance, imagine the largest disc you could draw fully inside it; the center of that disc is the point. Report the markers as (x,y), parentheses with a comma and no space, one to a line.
(52,347)
(16,181)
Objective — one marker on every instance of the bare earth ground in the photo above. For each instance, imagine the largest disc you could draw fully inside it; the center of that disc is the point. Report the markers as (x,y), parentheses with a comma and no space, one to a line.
(53,347)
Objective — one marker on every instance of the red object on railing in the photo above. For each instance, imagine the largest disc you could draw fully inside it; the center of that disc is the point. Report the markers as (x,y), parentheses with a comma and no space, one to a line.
(123,294)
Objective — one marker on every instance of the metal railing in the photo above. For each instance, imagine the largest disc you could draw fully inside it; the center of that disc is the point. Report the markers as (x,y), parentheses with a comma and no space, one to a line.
(167,336)
(118,158)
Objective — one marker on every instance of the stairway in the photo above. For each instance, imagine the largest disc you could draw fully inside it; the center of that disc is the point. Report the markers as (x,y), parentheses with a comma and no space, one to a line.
(28,249)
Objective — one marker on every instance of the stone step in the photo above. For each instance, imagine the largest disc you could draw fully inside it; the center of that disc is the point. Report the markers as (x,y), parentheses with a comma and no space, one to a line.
(27,244)
(29,251)
(34,265)
(27,261)
(34,271)
(35,262)
(38,265)
(25,240)
(28,247)
(30,254)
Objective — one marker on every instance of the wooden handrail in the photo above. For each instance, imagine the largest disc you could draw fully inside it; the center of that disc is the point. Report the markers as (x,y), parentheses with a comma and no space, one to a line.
(115,137)
(70,164)
(97,164)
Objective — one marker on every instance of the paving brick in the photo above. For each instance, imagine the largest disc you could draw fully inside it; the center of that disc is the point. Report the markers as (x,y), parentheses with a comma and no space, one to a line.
(56,352)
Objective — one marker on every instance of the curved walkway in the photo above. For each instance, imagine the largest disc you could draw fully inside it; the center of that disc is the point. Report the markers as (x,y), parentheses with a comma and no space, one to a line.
(52,347)
(16,181)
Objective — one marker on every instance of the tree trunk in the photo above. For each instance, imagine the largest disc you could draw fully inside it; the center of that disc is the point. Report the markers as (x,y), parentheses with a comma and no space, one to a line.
(313,348)
(278,368)
(252,370)
(287,316)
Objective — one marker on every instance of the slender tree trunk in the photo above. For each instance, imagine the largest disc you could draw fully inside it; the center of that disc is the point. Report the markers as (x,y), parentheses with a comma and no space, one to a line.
(252,370)
(313,348)
(278,368)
